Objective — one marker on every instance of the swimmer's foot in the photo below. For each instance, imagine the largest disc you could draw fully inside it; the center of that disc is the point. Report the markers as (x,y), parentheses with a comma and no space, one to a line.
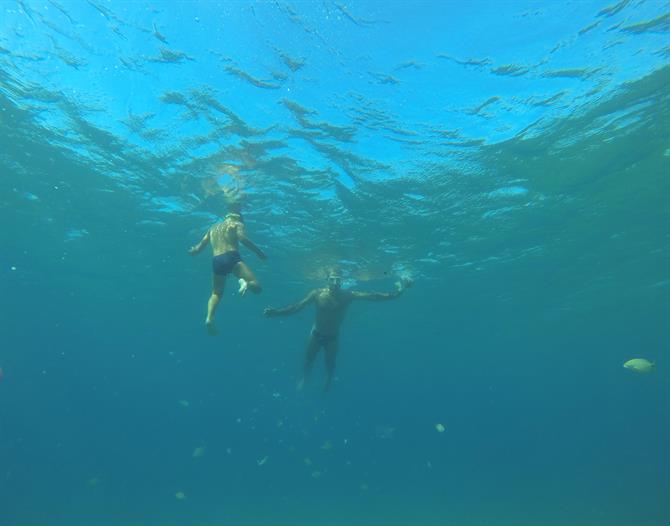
(243,287)
(211,328)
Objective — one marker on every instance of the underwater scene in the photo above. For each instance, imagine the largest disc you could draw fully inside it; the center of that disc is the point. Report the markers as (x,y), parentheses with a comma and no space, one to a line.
(334,263)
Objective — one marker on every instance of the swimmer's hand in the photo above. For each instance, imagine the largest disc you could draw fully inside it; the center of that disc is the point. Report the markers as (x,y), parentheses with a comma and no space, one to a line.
(193,250)
(269,312)
(404,283)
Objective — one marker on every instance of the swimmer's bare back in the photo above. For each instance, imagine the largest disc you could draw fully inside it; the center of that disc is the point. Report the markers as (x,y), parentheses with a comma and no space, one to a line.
(224,236)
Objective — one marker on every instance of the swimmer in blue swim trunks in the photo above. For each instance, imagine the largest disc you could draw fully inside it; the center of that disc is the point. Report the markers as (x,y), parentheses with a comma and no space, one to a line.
(225,238)
(331,304)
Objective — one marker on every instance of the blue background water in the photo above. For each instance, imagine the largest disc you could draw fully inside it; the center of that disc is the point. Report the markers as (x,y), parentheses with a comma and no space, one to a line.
(512,157)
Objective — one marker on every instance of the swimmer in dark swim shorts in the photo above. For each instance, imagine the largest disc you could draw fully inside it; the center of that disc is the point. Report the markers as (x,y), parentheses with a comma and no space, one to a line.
(225,238)
(223,264)
(331,304)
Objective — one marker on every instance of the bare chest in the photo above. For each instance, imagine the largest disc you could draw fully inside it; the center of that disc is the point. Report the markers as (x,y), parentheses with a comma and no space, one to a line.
(328,302)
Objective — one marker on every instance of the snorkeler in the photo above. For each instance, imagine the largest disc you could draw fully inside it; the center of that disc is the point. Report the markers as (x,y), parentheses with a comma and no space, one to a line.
(225,237)
(331,306)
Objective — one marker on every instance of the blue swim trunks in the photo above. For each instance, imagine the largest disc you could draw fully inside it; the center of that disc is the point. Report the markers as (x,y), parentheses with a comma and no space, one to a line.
(223,264)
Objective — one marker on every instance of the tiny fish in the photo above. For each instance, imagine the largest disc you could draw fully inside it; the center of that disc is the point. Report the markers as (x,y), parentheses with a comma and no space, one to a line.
(180,495)
(640,365)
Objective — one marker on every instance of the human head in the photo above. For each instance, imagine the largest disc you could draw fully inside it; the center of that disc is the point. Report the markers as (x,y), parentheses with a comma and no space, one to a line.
(234,206)
(334,279)
(235,216)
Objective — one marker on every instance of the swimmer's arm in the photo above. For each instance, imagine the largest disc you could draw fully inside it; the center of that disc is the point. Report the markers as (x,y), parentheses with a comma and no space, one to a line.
(375,296)
(195,249)
(383,296)
(291,309)
(242,236)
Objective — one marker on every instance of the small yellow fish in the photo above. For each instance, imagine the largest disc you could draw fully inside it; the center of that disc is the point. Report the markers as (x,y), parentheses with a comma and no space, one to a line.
(180,495)
(640,365)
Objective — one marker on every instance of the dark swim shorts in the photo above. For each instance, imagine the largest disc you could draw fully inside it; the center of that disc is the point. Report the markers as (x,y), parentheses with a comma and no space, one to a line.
(223,264)
(324,339)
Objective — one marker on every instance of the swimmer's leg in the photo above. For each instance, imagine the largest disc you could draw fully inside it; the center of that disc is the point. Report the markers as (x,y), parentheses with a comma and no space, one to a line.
(246,278)
(218,283)
(332,347)
(310,355)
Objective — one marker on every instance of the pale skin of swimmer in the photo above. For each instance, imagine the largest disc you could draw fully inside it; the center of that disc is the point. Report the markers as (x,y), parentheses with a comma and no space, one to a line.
(225,237)
(331,305)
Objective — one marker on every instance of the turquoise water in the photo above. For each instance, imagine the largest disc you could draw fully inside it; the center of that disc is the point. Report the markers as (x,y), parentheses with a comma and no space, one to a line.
(511,157)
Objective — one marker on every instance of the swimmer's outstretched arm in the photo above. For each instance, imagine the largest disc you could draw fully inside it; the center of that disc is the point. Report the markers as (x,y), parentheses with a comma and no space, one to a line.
(291,309)
(198,248)
(242,236)
(383,296)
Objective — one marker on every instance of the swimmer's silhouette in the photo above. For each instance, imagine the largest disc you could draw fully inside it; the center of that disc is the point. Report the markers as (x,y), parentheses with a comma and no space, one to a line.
(225,238)
(331,304)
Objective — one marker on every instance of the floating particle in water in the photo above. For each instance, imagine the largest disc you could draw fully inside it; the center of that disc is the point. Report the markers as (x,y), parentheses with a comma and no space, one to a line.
(12,268)
(316,474)
(198,452)
(180,495)
(262,461)
(327,445)
(385,432)
(75,233)
(440,428)
(184,403)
